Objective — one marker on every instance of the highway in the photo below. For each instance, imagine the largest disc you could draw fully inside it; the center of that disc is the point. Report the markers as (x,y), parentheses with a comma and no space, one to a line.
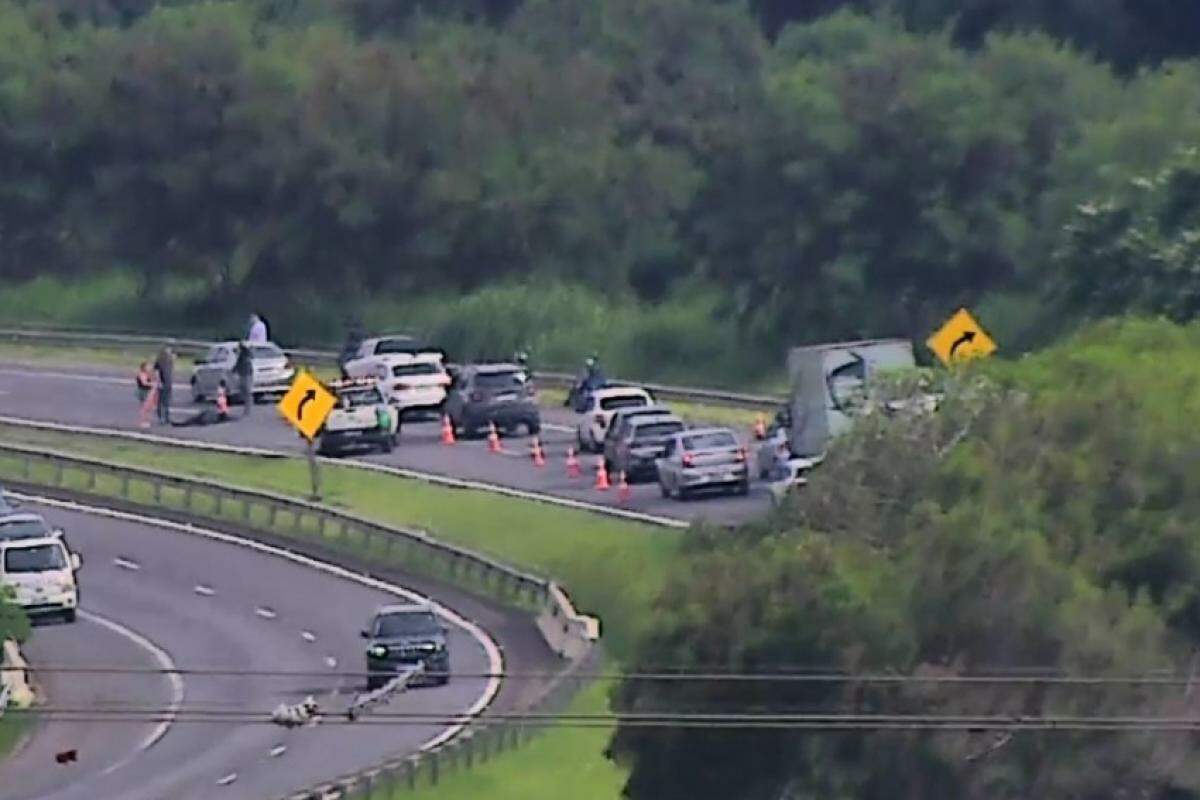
(152,595)
(104,397)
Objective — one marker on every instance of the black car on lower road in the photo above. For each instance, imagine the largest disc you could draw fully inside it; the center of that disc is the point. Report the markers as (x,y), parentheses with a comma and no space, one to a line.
(404,636)
(483,394)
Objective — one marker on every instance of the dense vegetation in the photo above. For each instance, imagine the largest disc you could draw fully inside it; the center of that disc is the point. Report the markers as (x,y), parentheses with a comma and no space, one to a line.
(13,622)
(685,180)
(1046,520)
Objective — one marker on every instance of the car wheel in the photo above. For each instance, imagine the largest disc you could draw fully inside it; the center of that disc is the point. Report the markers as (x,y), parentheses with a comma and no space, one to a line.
(386,445)
(743,488)
(610,468)
(533,427)
(374,683)
(69,616)
(662,487)
(579,444)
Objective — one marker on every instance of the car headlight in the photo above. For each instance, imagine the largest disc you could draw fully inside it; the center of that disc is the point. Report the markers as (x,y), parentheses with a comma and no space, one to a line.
(377,651)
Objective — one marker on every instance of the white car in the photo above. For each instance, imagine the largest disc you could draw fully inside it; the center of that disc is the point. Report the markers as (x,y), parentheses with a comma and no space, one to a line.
(41,572)
(602,405)
(273,371)
(411,381)
(787,475)
(361,419)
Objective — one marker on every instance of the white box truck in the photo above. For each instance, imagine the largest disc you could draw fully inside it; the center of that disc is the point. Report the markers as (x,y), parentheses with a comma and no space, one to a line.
(829,386)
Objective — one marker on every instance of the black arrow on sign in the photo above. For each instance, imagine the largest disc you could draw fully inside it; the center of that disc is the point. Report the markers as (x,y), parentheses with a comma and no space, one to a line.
(311,395)
(966,338)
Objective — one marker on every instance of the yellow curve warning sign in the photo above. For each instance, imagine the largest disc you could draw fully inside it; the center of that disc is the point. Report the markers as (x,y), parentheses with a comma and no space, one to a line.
(961,338)
(307,404)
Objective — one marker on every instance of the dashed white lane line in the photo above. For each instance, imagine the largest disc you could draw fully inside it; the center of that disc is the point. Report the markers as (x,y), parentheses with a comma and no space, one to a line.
(278,750)
(331,662)
(125,563)
(228,779)
(308,636)
(206,591)
(168,665)
(265,612)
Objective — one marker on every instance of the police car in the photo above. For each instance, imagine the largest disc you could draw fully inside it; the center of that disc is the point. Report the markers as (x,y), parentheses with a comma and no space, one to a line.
(361,420)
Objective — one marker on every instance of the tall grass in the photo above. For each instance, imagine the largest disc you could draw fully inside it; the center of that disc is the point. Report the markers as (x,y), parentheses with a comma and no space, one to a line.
(684,339)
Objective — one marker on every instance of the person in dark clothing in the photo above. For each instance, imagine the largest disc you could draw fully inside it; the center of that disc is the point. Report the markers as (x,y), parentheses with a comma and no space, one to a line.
(244,369)
(164,370)
(217,412)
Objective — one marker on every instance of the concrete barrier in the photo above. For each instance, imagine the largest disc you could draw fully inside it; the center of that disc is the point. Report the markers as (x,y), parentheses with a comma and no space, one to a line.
(15,676)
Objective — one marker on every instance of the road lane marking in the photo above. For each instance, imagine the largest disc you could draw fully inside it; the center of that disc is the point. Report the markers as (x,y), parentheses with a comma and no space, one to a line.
(228,779)
(308,636)
(125,563)
(331,662)
(486,642)
(168,665)
(278,750)
(201,589)
(265,612)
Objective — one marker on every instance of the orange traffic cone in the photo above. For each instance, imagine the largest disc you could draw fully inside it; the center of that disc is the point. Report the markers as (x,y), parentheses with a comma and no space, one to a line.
(573,470)
(623,490)
(493,438)
(760,428)
(539,458)
(447,430)
(602,483)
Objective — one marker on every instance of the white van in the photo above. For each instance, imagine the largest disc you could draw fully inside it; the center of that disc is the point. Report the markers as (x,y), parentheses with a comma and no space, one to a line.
(42,573)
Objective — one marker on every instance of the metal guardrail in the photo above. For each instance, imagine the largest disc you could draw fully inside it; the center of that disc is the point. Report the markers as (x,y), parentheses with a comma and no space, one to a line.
(567,632)
(317,357)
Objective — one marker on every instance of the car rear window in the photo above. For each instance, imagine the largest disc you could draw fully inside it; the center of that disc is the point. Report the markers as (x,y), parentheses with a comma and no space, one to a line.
(654,429)
(400,344)
(709,441)
(406,370)
(499,381)
(23,529)
(34,559)
(406,624)
(622,401)
(265,351)
(367,396)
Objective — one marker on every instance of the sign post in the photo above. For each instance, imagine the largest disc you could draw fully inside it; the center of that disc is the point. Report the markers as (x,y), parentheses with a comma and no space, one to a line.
(306,406)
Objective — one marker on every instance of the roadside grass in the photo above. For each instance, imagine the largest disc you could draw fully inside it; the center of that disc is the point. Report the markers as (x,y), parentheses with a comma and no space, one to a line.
(563,762)
(13,727)
(611,567)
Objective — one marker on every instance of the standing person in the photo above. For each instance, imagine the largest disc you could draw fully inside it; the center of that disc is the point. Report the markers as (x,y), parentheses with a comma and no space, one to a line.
(258,330)
(145,382)
(164,368)
(244,369)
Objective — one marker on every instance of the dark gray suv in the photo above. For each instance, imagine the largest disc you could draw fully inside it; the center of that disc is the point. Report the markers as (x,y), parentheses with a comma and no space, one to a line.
(486,393)
(403,636)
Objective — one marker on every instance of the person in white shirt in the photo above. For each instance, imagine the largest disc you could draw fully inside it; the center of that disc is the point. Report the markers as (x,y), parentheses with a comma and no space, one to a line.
(258,329)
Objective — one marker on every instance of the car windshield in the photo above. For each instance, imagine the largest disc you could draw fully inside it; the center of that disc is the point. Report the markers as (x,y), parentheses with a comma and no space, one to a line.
(499,381)
(366,396)
(399,344)
(423,368)
(709,441)
(34,559)
(622,401)
(654,430)
(23,529)
(420,623)
(265,351)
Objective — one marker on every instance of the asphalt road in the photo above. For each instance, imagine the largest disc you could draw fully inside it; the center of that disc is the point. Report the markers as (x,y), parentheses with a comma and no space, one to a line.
(254,611)
(103,397)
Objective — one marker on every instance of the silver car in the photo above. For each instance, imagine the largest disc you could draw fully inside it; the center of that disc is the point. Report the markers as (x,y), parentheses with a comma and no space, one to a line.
(273,372)
(703,458)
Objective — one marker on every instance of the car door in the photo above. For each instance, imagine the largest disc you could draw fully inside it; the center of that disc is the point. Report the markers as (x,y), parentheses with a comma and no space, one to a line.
(208,372)
(667,474)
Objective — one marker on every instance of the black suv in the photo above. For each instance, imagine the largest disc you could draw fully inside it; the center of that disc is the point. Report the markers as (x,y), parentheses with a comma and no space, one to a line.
(486,393)
(404,636)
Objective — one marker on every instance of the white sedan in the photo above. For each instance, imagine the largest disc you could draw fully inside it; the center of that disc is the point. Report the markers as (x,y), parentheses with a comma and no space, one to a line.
(602,405)
(411,381)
